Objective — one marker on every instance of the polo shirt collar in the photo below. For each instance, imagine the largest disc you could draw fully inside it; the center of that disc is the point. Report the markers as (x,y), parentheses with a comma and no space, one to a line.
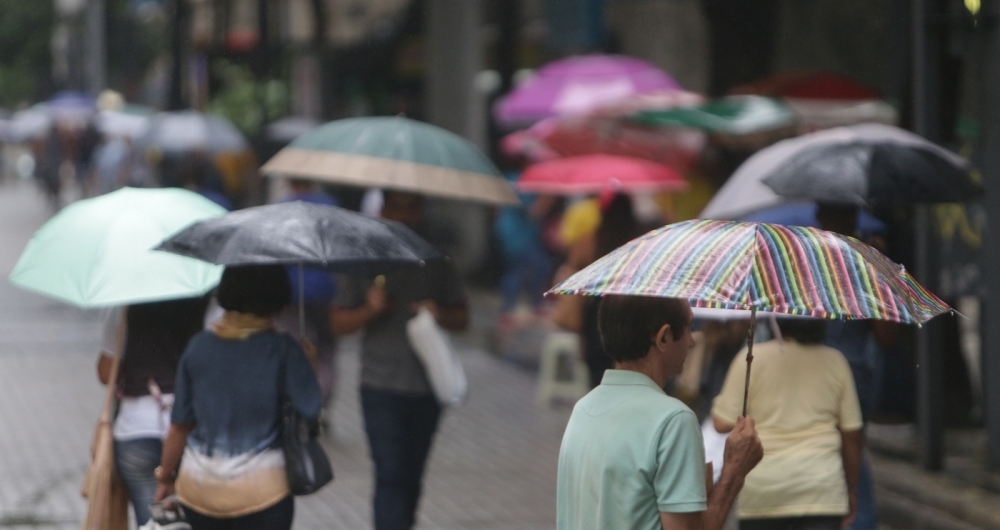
(628,377)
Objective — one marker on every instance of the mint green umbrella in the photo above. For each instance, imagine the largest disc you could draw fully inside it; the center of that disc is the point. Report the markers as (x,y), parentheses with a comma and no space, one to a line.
(394,153)
(98,252)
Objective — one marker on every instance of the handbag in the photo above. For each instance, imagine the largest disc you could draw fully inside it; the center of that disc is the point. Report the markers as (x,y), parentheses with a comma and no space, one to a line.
(107,498)
(434,349)
(306,464)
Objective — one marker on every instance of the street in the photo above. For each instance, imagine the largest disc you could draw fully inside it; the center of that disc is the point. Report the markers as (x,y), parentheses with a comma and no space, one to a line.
(493,464)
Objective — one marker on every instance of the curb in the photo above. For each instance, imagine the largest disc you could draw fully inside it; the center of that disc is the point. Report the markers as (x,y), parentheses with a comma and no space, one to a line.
(914,499)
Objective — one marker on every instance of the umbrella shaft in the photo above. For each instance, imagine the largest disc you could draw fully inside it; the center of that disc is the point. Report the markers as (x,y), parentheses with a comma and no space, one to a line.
(750,333)
(302,305)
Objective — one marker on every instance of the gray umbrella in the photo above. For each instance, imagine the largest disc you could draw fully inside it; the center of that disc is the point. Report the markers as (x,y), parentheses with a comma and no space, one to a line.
(299,233)
(870,165)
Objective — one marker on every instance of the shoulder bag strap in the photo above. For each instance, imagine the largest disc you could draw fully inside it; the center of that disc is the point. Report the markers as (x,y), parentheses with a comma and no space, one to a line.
(109,399)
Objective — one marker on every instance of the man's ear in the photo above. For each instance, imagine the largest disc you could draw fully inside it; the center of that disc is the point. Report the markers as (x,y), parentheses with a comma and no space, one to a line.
(664,336)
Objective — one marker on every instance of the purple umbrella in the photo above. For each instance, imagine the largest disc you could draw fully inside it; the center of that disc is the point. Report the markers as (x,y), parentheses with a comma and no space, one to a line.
(578,85)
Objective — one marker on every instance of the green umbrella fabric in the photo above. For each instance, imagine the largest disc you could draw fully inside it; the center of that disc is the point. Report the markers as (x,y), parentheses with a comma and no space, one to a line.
(394,153)
(98,252)
(736,115)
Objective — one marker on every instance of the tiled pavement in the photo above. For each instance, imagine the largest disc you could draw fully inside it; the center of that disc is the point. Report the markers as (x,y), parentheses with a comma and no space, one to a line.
(493,465)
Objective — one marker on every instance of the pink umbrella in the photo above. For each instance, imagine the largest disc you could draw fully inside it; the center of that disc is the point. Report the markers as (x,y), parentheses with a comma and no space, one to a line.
(578,85)
(598,174)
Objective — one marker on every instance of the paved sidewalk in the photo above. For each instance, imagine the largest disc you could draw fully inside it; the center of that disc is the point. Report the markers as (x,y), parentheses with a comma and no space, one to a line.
(493,465)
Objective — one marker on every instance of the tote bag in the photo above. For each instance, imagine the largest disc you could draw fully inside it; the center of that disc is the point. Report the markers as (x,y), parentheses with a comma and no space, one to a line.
(435,351)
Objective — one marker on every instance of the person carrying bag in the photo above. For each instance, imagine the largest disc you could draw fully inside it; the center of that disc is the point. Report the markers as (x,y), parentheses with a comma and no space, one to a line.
(229,411)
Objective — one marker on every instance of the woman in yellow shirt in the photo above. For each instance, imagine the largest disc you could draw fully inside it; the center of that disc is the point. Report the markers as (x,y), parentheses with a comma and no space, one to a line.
(803,399)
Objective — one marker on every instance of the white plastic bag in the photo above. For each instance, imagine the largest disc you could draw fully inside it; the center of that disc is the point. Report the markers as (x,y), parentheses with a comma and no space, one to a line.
(438,356)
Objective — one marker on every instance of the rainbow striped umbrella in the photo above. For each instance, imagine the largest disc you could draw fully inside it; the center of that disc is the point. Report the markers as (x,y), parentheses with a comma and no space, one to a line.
(758,266)
(761,267)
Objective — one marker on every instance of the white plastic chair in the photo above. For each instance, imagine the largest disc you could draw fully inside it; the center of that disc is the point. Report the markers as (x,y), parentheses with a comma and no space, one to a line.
(561,348)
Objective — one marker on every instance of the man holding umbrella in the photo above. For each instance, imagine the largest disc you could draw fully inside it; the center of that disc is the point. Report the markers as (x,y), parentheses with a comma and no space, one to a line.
(633,457)
(400,412)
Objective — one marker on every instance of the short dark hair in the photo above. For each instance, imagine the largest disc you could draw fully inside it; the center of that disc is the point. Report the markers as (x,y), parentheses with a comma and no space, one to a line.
(262,290)
(803,330)
(628,323)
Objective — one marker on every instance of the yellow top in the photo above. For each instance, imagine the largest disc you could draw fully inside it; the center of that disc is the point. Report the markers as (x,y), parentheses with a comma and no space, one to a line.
(579,221)
(801,397)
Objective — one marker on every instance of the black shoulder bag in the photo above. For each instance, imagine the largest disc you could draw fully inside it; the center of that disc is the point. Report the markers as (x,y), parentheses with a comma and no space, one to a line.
(306,464)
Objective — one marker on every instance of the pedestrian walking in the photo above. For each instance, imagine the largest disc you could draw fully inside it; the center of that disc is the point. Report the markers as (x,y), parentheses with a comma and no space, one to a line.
(527,264)
(400,411)
(226,421)
(803,399)
(632,456)
(155,337)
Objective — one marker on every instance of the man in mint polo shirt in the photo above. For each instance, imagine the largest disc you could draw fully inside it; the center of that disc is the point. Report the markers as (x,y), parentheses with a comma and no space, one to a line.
(632,457)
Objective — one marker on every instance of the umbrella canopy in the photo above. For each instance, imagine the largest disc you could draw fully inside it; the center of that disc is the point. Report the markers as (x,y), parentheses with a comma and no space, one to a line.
(809,85)
(735,115)
(97,252)
(804,214)
(876,165)
(578,85)
(122,123)
(303,233)
(75,108)
(868,164)
(761,267)
(599,134)
(394,153)
(598,173)
(192,131)
(289,128)
(29,124)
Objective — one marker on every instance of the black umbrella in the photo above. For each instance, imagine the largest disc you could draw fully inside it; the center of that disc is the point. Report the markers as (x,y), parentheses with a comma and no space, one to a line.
(869,165)
(303,234)
(299,233)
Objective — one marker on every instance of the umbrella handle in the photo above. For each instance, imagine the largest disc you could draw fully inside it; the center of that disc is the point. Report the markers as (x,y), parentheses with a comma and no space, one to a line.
(750,333)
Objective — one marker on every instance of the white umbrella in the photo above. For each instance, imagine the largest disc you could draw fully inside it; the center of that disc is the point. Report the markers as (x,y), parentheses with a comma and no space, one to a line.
(28,124)
(289,128)
(118,123)
(193,131)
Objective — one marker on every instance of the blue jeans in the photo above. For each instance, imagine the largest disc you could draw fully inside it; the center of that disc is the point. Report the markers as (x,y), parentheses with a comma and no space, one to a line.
(867,517)
(400,429)
(277,517)
(136,460)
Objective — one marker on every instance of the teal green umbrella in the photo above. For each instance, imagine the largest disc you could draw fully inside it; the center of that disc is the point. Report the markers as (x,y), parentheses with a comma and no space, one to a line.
(98,252)
(393,153)
(735,115)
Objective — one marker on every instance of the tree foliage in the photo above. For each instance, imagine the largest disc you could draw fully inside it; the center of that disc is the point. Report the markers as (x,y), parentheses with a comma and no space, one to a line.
(25,59)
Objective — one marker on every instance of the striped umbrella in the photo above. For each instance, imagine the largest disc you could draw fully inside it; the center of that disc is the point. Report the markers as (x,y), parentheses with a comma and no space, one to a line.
(760,267)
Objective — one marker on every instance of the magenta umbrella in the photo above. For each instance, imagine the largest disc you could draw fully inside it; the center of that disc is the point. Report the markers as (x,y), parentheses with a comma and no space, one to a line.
(577,85)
